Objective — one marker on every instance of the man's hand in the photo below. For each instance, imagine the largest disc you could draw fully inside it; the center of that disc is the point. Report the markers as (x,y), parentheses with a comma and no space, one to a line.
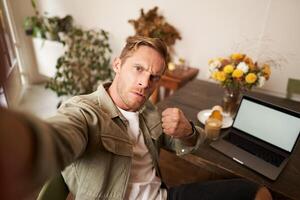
(175,124)
(16,150)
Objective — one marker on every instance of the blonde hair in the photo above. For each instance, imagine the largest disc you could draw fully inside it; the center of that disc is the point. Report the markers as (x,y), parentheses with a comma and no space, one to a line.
(133,43)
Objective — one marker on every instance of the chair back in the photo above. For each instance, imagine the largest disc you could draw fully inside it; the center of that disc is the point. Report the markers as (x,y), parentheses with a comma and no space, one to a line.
(293,87)
(55,188)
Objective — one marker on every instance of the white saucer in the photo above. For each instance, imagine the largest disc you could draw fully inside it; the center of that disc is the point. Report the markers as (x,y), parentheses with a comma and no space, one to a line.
(204,114)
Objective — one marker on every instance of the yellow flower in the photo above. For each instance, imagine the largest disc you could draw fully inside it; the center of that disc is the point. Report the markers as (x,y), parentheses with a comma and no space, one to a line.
(221,76)
(237,73)
(214,75)
(239,70)
(251,78)
(228,69)
(237,56)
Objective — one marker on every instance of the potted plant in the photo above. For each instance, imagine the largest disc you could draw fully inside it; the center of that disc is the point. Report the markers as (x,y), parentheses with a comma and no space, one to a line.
(151,24)
(85,63)
(41,26)
(83,59)
(46,32)
(237,73)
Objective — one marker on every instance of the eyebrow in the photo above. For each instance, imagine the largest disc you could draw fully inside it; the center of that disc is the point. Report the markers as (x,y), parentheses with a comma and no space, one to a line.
(146,69)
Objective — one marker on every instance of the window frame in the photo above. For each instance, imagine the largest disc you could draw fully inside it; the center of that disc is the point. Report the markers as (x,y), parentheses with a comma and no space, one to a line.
(7,44)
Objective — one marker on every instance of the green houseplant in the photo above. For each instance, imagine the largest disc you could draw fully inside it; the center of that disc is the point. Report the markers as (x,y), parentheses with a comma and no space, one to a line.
(86,60)
(41,26)
(85,63)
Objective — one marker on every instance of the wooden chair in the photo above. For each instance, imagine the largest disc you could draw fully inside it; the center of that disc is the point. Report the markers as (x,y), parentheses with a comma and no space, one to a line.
(55,188)
(293,87)
(173,80)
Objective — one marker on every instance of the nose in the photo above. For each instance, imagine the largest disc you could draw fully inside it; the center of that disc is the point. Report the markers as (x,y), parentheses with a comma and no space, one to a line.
(144,81)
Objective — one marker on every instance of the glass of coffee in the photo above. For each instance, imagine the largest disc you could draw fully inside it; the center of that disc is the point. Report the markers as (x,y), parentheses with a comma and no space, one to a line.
(212,128)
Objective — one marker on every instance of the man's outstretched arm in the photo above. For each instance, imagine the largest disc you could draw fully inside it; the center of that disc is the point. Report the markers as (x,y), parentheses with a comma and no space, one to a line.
(32,150)
(16,153)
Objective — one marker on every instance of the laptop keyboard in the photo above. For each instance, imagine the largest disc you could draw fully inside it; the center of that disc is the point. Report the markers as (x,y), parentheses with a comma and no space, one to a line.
(259,151)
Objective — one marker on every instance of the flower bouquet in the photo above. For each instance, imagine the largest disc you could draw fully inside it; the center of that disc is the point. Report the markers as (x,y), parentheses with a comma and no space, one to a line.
(235,73)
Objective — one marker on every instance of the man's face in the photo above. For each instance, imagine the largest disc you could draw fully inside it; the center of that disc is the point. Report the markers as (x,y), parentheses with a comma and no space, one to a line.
(137,77)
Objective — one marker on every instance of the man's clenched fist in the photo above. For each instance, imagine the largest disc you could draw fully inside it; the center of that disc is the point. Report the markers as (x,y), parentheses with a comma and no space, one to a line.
(175,124)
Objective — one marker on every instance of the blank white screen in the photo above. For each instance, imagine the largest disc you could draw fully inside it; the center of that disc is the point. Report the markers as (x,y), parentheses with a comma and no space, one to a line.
(270,125)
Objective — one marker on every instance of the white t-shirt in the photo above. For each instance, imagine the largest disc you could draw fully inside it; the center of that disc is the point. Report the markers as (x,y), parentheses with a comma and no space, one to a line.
(143,183)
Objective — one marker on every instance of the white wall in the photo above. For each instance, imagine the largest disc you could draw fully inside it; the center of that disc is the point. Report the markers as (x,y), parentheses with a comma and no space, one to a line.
(209,28)
(283,31)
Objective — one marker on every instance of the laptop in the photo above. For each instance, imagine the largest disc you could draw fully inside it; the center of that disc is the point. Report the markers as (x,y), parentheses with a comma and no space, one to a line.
(262,136)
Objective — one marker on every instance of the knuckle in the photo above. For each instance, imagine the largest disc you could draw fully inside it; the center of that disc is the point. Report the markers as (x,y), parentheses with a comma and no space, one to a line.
(165,111)
(176,117)
(176,124)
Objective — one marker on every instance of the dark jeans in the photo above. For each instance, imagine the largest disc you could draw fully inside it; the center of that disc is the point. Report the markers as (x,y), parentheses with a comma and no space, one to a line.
(222,189)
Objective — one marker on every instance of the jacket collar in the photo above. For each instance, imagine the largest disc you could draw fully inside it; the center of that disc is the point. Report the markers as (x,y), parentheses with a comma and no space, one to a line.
(105,101)
(148,110)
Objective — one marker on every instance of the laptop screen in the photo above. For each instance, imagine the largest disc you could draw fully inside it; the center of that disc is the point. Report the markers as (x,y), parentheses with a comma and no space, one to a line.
(268,124)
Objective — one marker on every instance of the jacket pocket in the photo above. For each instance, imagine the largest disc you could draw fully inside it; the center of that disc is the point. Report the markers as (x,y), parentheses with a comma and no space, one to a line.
(117,145)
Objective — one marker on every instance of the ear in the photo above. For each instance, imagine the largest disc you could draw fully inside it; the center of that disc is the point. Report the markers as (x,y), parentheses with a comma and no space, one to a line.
(116,64)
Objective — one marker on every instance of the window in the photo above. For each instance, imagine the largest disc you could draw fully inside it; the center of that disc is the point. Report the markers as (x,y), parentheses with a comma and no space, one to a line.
(8,55)
(8,60)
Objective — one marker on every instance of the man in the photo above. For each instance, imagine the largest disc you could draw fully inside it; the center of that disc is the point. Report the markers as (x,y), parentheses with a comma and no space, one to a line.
(110,139)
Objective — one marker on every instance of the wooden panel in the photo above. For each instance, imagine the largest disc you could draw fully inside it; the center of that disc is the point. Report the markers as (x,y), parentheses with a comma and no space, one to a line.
(177,171)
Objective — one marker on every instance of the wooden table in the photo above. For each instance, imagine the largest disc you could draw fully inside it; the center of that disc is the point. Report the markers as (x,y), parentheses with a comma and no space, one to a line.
(198,95)
(173,80)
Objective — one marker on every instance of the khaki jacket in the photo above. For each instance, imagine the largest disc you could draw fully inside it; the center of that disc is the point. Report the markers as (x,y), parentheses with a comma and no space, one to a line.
(89,136)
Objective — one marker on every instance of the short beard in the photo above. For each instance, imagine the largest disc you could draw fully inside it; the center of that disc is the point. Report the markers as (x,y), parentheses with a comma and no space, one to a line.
(119,90)
(124,100)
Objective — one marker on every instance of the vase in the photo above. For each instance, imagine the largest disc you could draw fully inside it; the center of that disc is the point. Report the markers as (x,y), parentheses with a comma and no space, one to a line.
(230,101)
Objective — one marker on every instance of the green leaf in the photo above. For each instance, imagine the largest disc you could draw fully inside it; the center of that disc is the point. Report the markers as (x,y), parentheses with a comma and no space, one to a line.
(33,4)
